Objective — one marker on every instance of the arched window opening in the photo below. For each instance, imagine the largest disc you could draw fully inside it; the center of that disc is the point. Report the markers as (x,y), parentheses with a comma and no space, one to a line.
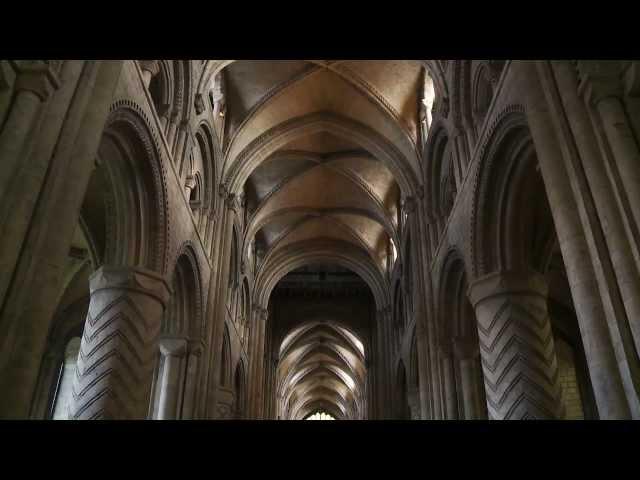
(195,192)
(218,104)
(320,415)
(64,393)
(232,286)
(448,189)
(425,107)
(393,254)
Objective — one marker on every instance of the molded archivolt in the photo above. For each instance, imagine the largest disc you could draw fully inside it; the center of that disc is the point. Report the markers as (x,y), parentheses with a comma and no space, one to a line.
(321,366)
(125,208)
(507,184)
(320,251)
(440,176)
(184,317)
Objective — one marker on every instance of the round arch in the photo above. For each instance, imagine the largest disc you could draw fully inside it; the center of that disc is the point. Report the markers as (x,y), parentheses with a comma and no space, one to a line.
(236,174)
(314,252)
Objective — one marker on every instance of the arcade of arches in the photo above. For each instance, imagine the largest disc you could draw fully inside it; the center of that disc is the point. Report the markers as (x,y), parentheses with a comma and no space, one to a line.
(325,239)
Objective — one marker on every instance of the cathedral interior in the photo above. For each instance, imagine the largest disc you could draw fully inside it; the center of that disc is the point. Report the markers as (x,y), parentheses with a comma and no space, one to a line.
(319,239)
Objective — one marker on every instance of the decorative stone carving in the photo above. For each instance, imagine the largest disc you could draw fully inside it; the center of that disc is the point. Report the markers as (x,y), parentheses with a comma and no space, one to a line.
(600,79)
(37,77)
(151,66)
(118,349)
(518,352)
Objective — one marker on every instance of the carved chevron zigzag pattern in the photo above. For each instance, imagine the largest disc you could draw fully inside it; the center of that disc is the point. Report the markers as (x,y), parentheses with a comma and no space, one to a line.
(519,362)
(114,364)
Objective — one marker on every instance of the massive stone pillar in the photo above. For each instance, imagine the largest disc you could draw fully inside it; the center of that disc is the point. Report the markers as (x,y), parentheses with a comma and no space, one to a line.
(115,365)
(580,239)
(517,347)
(173,351)
(35,81)
(33,249)
(602,82)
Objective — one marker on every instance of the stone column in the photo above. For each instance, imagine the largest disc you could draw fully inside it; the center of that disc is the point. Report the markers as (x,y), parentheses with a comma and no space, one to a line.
(189,407)
(425,316)
(20,177)
(256,363)
(467,353)
(383,320)
(517,347)
(173,352)
(33,85)
(569,194)
(447,370)
(603,88)
(216,303)
(602,82)
(117,353)
(50,368)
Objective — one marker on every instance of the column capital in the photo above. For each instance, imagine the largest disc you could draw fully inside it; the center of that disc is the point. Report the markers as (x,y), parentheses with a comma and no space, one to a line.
(151,66)
(261,313)
(173,347)
(36,76)
(600,79)
(195,347)
(507,283)
(137,279)
(228,197)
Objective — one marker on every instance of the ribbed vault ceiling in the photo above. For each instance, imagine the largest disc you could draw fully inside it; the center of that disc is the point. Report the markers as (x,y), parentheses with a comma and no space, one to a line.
(324,152)
(323,184)
(321,367)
